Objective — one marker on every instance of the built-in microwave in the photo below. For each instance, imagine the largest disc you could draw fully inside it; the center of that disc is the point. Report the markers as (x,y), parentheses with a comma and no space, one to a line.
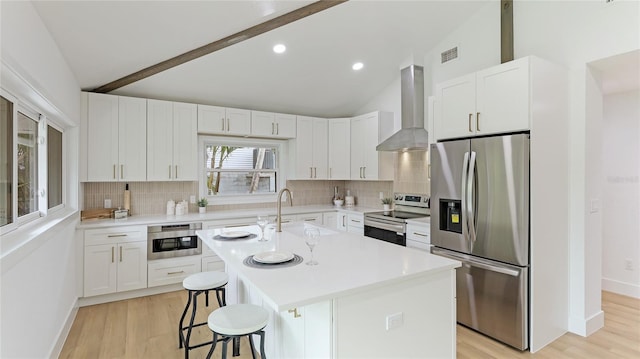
(173,240)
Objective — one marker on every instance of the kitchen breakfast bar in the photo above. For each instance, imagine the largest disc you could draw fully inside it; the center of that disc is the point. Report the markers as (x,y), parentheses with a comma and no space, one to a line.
(365,299)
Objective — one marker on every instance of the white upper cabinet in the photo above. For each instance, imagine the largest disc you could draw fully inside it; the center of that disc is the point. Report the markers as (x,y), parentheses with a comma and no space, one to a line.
(366,162)
(308,151)
(223,121)
(495,100)
(171,141)
(339,148)
(274,125)
(116,134)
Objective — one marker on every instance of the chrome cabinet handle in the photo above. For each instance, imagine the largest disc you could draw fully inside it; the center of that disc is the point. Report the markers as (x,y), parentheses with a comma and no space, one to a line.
(470,130)
(343,219)
(112,254)
(295,312)
(477,121)
(120,253)
(222,119)
(121,171)
(228,127)
(116,235)
(169,171)
(420,234)
(310,172)
(170,273)
(277,128)
(114,171)
(176,171)
(273,132)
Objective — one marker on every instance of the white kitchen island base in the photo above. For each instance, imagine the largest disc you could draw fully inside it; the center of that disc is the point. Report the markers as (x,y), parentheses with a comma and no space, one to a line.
(387,302)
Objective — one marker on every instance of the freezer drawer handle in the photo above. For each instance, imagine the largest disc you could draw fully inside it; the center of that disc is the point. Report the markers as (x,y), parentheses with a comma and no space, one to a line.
(468,262)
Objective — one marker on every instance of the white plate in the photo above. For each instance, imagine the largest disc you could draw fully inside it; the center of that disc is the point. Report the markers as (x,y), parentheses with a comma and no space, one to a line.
(272,257)
(235,234)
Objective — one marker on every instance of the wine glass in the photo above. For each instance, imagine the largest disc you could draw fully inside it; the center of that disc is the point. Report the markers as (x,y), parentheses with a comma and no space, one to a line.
(311,236)
(262,222)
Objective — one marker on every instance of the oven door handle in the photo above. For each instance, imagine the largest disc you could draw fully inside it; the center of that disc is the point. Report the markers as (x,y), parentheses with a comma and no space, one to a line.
(398,228)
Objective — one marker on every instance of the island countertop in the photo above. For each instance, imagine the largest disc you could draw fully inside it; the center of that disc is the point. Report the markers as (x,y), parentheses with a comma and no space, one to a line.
(348,264)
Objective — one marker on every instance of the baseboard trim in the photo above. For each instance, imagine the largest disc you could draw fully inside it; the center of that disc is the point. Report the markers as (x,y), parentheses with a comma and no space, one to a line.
(101,299)
(623,288)
(586,326)
(64,331)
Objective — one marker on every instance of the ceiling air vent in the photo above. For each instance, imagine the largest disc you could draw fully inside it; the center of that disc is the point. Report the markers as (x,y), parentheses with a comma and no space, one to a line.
(449,54)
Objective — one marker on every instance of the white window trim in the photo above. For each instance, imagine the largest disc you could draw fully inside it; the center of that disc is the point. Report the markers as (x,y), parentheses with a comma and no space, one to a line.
(281,148)
(34,219)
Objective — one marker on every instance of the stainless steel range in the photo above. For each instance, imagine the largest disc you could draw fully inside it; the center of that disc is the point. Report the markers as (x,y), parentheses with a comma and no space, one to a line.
(391,226)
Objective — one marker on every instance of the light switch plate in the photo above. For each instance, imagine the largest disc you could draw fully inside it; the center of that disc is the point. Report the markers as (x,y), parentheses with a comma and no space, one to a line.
(394,321)
(107,203)
(192,199)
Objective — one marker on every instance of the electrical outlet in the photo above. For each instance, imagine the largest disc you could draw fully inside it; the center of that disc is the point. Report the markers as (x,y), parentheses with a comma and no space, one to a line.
(595,205)
(192,199)
(107,203)
(394,321)
(628,264)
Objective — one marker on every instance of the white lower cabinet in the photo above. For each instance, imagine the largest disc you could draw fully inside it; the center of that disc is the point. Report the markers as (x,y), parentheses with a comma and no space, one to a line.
(419,236)
(355,223)
(115,260)
(330,219)
(341,221)
(210,261)
(173,270)
(306,332)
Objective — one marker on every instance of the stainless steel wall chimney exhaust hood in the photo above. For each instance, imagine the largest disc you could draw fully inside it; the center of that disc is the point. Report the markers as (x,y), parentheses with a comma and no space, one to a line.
(412,135)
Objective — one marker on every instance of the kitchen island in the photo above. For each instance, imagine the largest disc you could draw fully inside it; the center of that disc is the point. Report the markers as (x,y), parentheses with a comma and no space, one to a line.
(366,298)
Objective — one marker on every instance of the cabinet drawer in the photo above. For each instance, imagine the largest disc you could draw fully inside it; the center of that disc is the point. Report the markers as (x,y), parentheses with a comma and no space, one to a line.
(115,235)
(310,218)
(355,221)
(420,234)
(174,270)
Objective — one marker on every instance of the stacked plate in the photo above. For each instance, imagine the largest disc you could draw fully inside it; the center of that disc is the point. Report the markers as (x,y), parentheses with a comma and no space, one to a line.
(235,234)
(273,257)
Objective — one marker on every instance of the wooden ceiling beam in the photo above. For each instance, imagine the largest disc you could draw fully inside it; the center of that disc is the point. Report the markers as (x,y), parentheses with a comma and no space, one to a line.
(243,35)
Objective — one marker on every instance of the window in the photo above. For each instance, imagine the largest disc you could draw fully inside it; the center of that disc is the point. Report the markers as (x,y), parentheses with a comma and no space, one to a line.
(31,178)
(27,161)
(236,168)
(54,167)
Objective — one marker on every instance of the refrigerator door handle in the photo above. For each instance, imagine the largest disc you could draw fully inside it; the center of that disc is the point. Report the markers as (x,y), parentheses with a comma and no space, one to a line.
(463,196)
(471,218)
(468,261)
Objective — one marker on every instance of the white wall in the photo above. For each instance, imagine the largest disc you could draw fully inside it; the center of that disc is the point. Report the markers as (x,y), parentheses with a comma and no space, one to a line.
(621,193)
(38,284)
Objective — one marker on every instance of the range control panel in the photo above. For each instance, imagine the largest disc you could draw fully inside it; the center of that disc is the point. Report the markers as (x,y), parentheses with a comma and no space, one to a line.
(412,199)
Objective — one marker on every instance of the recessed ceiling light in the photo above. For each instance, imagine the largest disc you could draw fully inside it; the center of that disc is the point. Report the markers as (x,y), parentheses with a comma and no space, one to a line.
(357,66)
(279,48)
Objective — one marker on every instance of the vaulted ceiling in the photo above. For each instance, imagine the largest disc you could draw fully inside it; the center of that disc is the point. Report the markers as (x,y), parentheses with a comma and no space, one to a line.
(106,40)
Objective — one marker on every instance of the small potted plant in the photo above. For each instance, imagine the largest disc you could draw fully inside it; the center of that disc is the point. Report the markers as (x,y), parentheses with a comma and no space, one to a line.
(386,204)
(202,205)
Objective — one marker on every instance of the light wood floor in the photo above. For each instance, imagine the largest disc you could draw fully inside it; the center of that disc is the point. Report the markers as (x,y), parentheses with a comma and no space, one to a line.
(147,328)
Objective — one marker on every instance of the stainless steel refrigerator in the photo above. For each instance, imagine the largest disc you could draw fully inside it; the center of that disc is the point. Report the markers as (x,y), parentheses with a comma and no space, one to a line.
(480,216)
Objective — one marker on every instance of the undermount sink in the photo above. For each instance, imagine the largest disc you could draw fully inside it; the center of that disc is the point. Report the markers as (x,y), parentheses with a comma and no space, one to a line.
(298,228)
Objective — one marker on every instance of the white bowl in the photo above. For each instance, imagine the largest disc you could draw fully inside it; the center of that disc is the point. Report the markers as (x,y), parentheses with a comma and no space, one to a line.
(338,202)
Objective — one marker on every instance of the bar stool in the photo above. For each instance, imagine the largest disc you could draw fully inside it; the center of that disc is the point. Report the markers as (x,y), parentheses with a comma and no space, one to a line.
(197,284)
(235,321)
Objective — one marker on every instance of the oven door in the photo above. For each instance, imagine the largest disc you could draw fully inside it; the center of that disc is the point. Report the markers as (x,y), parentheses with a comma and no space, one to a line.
(386,231)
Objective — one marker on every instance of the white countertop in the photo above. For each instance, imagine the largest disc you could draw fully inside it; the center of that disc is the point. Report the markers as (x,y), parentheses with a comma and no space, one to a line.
(348,263)
(215,215)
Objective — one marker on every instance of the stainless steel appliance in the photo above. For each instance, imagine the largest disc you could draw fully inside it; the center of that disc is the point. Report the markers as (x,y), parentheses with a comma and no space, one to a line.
(390,226)
(173,240)
(480,200)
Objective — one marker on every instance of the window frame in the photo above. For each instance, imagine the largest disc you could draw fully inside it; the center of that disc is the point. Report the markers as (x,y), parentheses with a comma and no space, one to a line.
(42,123)
(281,152)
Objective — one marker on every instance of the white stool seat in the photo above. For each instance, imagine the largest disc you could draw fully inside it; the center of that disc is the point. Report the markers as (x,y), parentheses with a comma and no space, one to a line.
(238,319)
(205,280)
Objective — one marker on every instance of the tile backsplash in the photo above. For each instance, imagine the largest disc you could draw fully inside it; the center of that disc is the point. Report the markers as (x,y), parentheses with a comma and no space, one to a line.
(149,198)
(412,172)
